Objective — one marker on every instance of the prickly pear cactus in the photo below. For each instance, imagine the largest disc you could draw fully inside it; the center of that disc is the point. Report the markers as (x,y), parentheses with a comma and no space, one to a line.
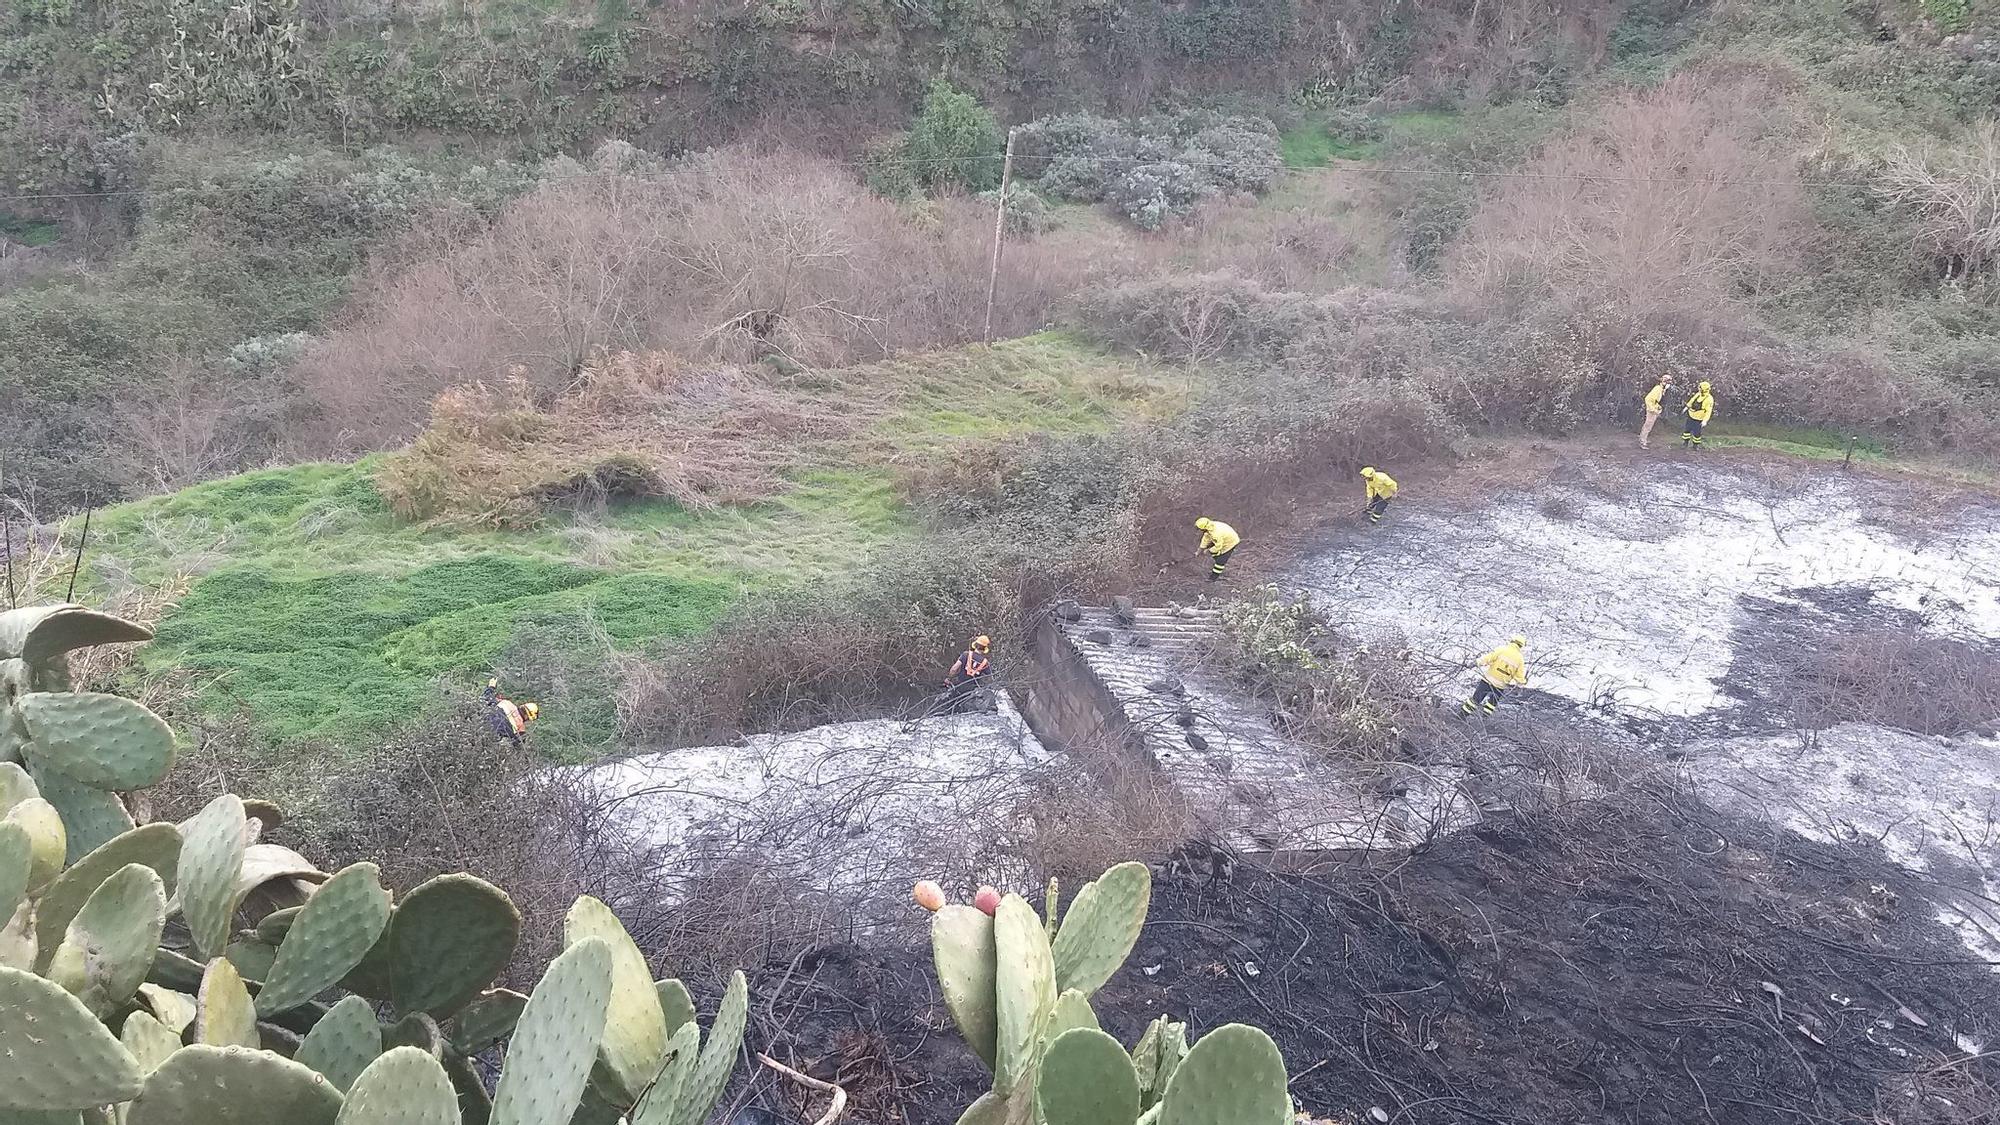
(264,940)
(82,747)
(1052,1064)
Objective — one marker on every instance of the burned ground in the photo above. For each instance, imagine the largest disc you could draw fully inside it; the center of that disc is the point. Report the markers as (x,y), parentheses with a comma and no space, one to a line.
(1837,655)
(1639,960)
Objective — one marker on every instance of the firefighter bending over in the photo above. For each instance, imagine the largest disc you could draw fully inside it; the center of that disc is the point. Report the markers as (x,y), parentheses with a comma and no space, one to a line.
(1218,541)
(510,721)
(1499,670)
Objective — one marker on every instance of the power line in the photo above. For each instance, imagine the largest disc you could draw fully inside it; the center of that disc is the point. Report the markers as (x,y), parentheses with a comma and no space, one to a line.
(1129,162)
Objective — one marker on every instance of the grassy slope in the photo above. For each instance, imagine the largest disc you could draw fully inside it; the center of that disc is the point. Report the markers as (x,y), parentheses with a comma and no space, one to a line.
(320,614)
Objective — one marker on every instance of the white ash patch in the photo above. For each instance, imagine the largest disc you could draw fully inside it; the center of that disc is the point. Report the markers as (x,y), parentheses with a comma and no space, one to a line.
(1932,804)
(1634,601)
(855,811)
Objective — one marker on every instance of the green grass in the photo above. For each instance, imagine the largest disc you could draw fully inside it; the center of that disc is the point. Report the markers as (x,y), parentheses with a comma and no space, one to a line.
(1313,143)
(29,232)
(1817,444)
(314,610)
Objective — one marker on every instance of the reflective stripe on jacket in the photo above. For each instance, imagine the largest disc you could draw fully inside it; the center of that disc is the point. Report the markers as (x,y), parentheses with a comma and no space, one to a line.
(1504,667)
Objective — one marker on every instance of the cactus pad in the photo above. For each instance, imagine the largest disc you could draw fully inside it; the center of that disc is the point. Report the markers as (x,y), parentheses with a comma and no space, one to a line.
(174,1009)
(333,932)
(1233,1076)
(273,927)
(205,1085)
(661,1102)
(449,939)
(486,1020)
(344,1041)
(1024,992)
(252,958)
(676,1006)
(1101,927)
(53,1053)
(15,786)
(1086,1078)
(108,948)
(415,1030)
(42,633)
(962,949)
(92,817)
(550,1055)
(47,840)
(703,1087)
(992,1109)
(149,1040)
(158,846)
(1072,1010)
(405,1086)
(223,1013)
(17,863)
(475,1105)
(635,1032)
(212,845)
(103,741)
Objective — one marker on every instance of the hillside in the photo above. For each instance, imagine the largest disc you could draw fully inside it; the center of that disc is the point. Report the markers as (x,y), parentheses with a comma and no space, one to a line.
(320,614)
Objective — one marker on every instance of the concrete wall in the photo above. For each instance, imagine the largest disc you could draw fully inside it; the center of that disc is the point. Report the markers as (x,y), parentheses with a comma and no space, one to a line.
(1068,707)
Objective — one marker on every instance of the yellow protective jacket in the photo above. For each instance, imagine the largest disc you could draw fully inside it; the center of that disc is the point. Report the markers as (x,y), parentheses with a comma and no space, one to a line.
(1702,406)
(1219,537)
(1504,667)
(513,715)
(1381,486)
(1656,399)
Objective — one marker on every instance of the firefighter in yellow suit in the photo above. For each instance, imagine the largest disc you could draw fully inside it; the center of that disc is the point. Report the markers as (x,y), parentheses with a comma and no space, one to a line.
(510,720)
(1381,488)
(1700,408)
(1656,402)
(1219,541)
(1499,670)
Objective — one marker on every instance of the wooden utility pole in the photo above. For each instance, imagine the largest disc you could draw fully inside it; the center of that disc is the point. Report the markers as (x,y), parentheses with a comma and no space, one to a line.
(999,236)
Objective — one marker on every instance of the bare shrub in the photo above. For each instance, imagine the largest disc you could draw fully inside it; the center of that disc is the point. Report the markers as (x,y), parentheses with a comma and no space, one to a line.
(183,427)
(632,425)
(1673,197)
(443,794)
(1956,191)
(1085,822)
(1896,677)
(728,256)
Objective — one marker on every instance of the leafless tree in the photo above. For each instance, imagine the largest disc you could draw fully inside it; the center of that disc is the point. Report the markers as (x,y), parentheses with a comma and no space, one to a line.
(1956,193)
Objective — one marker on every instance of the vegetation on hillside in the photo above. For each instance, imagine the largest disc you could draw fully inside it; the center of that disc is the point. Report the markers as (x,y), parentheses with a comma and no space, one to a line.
(640,419)
(322,613)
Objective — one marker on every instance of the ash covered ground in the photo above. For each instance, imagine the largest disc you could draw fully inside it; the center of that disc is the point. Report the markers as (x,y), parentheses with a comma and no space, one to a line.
(1773,900)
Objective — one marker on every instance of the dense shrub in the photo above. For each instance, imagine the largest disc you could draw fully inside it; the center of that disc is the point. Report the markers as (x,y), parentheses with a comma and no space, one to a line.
(1154,169)
(1553,368)
(1681,197)
(954,142)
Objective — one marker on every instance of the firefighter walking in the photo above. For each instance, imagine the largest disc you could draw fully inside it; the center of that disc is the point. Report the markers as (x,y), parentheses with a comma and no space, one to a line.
(1499,670)
(1380,488)
(1218,541)
(1700,408)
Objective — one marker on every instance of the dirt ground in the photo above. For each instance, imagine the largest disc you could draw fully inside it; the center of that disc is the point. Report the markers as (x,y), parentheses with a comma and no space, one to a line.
(1648,960)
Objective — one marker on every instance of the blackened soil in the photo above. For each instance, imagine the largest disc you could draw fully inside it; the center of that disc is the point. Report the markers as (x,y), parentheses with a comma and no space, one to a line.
(1646,961)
